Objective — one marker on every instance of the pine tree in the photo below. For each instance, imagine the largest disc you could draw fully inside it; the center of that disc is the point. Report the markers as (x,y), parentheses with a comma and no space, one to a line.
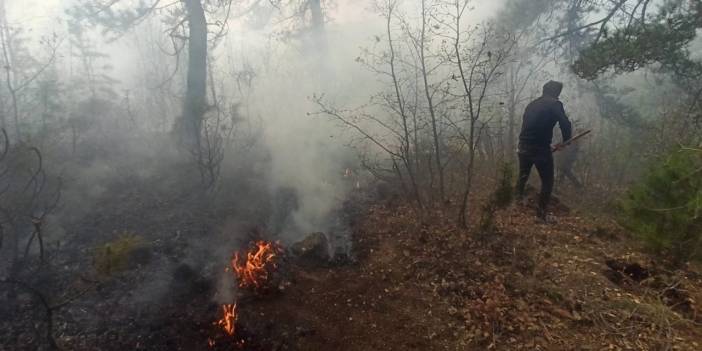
(665,208)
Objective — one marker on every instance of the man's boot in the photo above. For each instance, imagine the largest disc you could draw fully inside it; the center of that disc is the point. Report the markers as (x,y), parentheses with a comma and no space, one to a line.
(543,217)
(542,213)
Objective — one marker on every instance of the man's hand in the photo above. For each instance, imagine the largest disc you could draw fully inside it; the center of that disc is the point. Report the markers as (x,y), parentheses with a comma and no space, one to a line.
(561,146)
(557,147)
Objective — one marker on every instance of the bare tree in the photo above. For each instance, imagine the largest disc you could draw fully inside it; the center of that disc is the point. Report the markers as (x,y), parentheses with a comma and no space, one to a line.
(478,65)
(414,144)
(27,196)
(421,43)
(195,104)
(397,133)
(16,79)
(304,16)
(192,28)
(374,130)
(406,134)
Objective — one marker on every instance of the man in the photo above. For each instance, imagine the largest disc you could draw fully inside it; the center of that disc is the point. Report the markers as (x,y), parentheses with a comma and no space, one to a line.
(540,116)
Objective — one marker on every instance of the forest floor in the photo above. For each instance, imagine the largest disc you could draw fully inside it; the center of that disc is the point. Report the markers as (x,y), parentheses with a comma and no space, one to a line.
(575,285)
(416,283)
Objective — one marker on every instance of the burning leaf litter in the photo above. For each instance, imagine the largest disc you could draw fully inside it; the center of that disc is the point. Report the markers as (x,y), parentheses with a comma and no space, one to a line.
(228,320)
(252,271)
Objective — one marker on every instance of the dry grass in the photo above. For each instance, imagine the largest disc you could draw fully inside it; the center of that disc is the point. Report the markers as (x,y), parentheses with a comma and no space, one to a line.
(114,256)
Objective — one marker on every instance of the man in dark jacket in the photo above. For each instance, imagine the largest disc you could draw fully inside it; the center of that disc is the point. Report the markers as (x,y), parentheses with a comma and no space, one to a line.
(540,116)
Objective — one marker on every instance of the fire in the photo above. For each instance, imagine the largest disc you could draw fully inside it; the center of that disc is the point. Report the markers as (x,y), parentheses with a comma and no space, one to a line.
(254,270)
(227,323)
(228,320)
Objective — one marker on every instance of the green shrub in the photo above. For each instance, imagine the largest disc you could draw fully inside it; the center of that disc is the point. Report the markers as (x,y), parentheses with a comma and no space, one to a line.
(665,208)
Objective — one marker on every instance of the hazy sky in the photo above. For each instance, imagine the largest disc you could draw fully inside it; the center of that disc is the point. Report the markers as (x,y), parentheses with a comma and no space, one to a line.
(353,18)
(42,14)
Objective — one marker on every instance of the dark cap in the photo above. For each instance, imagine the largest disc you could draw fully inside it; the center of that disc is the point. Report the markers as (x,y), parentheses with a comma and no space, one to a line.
(553,88)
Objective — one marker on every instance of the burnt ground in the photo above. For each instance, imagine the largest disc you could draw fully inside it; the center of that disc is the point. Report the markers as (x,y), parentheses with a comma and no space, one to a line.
(417,282)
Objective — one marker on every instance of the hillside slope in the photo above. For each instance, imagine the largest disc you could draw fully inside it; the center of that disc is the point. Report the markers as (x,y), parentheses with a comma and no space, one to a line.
(575,285)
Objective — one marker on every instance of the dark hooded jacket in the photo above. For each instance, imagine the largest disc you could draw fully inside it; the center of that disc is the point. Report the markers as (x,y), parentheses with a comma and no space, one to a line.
(540,116)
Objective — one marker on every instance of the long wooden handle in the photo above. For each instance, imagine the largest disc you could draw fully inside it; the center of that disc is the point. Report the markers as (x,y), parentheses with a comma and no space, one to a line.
(570,141)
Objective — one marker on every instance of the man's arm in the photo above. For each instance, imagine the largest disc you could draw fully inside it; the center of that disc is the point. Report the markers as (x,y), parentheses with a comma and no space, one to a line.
(563,122)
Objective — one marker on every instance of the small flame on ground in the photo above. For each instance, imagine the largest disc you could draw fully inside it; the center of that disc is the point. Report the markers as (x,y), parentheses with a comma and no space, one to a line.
(251,273)
(228,320)
(254,270)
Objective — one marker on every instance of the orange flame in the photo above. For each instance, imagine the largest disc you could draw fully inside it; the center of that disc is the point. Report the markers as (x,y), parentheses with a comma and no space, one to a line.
(251,273)
(228,320)
(254,270)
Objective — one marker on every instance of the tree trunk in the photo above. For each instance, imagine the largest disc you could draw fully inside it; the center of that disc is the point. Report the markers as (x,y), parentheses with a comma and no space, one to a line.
(406,140)
(430,103)
(318,24)
(462,215)
(3,118)
(196,90)
(6,41)
(512,126)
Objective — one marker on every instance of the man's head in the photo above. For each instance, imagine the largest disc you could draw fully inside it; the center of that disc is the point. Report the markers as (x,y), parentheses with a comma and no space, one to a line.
(553,89)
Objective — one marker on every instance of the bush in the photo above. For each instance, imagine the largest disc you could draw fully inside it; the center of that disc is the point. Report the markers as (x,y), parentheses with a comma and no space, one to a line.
(114,256)
(501,198)
(665,208)
(504,192)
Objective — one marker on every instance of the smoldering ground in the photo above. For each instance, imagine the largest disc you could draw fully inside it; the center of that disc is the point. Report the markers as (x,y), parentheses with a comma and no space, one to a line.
(124,176)
(282,170)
